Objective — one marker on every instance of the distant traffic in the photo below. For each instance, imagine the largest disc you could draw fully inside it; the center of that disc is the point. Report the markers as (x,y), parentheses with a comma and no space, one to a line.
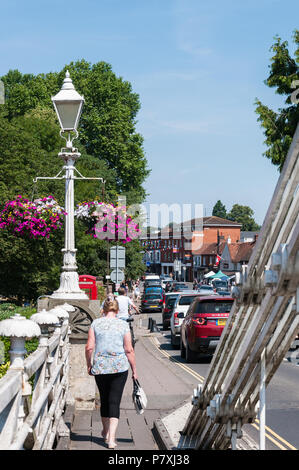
(196,315)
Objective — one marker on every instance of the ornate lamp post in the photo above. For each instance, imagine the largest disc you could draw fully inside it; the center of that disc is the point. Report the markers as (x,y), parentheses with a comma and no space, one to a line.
(68,106)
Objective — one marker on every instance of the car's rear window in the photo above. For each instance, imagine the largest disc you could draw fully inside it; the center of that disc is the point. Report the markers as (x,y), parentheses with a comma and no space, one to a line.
(153,296)
(213,307)
(186,300)
(170,302)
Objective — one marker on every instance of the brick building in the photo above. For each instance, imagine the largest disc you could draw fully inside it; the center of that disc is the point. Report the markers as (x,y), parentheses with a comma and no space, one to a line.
(195,247)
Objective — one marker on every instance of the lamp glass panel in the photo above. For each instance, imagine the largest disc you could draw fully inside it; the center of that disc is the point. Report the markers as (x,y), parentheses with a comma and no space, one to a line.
(68,112)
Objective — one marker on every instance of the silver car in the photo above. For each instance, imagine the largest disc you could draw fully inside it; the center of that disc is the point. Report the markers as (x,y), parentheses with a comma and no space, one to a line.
(179,311)
(206,290)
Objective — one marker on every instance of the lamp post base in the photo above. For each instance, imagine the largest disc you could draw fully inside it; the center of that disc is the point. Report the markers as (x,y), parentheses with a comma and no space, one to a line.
(69,287)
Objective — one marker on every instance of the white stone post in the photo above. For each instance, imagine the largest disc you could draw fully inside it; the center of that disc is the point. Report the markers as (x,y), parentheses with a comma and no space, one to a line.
(62,316)
(18,329)
(44,319)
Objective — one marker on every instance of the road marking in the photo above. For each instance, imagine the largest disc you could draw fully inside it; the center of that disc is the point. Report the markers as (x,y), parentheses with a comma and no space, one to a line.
(183,366)
(277,436)
(270,438)
(157,344)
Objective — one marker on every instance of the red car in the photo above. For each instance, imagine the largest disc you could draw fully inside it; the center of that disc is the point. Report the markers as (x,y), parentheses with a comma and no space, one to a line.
(203,325)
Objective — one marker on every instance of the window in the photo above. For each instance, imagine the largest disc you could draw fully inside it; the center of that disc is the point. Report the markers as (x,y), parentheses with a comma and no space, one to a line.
(186,300)
(213,307)
(153,296)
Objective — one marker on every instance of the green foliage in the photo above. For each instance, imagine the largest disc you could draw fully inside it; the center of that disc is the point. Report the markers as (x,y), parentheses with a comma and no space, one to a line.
(219,210)
(279,127)
(243,215)
(101,293)
(4,368)
(107,125)
(110,148)
(135,267)
(7,310)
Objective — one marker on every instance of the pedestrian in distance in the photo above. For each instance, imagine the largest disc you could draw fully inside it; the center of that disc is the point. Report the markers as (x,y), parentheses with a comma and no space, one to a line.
(125,304)
(136,292)
(109,339)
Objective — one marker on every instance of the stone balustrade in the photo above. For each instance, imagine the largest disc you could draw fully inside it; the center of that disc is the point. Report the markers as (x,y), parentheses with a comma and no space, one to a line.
(34,391)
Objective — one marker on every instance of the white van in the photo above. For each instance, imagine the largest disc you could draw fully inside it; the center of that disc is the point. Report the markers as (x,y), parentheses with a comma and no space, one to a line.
(151,277)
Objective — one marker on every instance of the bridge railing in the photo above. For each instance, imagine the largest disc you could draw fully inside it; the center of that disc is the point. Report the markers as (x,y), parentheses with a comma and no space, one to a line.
(33,392)
(261,327)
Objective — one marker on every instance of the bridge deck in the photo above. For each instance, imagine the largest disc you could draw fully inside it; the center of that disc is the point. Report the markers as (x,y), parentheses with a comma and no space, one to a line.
(166,388)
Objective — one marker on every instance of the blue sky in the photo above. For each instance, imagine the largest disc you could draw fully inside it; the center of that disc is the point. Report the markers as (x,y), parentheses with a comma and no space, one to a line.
(198,67)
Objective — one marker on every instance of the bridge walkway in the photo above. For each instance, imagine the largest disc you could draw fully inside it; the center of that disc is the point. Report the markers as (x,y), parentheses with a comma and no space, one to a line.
(166,387)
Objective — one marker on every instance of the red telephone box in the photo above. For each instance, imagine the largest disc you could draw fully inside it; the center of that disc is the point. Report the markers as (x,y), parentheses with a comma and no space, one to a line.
(88,284)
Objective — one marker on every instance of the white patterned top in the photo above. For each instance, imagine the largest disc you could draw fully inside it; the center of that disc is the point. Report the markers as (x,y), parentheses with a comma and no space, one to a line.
(110,356)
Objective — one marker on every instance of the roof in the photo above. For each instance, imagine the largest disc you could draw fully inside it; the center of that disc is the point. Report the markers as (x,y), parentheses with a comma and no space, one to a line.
(213,220)
(204,221)
(240,251)
(210,249)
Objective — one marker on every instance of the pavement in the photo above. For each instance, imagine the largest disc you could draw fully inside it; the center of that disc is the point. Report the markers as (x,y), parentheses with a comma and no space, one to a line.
(168,389)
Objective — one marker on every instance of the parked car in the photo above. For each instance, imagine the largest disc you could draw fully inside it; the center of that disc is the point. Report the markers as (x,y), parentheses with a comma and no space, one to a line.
(152,302)
(165,280)
(220,291)
(179,286)
(206,290)
(169,299)
(153,290)
(217,283)
(152,283)
(180,308)
(202,327)
(150,276)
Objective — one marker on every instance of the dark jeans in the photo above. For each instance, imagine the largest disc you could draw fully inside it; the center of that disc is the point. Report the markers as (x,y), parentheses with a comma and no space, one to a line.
(111,388)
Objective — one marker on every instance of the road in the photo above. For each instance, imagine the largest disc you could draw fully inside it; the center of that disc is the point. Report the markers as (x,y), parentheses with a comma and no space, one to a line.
(282,405)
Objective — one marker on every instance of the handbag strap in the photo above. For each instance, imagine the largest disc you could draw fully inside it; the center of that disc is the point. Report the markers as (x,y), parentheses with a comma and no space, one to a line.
(135,381)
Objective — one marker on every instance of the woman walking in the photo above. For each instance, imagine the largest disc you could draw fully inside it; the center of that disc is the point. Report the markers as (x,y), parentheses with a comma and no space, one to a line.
(110,339)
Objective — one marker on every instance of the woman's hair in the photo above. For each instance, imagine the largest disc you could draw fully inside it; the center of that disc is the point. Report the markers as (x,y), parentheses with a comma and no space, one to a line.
(110,306)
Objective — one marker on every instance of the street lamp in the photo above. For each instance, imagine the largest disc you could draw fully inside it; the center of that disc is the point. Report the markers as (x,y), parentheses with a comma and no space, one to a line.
(68,106)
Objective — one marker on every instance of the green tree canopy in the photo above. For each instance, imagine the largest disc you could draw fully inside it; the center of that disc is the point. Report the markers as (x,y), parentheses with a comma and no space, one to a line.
(108,122)
(243,215)
(279,127)
(219,210)
(29,144)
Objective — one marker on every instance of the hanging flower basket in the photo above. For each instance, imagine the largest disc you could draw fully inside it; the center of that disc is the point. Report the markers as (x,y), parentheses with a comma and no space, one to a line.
(107,221)
(35,219)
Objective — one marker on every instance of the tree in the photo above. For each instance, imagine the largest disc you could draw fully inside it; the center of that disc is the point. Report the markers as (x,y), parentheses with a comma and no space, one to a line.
(219,210)
(29,144)
(243,215)
(280,126)
(107,126)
